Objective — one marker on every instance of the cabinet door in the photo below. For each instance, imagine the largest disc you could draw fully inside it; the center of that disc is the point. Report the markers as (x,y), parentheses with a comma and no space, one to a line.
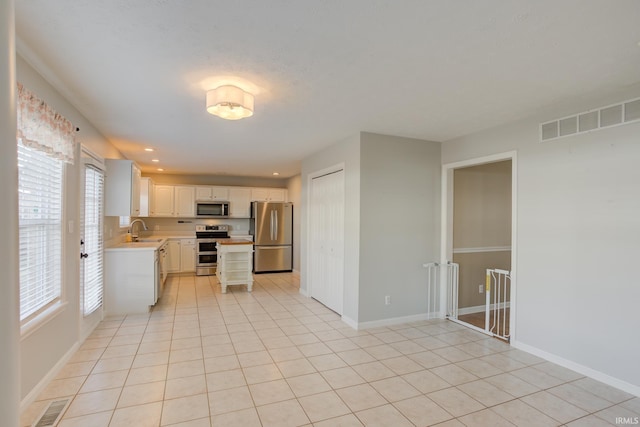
(268,195)
(146,196)
(203,193)
(135,190)
(277,195)
(239,202)
(259,194)
(188,256)
(163,202)
(122,188)
(185,201)
(220,193)
(173,256)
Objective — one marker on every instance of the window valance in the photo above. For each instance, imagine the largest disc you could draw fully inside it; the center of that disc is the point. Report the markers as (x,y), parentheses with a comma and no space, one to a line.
(42,128)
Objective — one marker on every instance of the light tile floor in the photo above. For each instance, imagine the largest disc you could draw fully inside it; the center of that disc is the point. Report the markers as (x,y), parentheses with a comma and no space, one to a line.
(275,358)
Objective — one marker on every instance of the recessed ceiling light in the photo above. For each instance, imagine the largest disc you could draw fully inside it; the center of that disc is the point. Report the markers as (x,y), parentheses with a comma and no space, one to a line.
(276,173)
(148,149)
(160,169)
(155,160)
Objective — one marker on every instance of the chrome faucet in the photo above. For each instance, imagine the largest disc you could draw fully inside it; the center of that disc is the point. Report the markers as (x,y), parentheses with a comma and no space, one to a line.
(144,226)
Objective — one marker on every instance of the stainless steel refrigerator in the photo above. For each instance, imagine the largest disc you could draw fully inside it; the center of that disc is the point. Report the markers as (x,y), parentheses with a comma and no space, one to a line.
(272,229)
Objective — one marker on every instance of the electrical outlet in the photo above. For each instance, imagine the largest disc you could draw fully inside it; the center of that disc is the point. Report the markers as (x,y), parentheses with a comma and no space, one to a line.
(481,289)
(387,300)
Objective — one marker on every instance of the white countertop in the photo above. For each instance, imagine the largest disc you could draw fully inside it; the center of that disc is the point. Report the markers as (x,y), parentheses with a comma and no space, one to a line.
(153,245)
(155,241)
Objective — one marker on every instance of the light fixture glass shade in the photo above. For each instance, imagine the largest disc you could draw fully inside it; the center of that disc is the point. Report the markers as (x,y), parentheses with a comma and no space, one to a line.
(230,103)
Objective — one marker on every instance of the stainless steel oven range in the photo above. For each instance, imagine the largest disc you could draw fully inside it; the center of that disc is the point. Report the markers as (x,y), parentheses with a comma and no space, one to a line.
(206,253)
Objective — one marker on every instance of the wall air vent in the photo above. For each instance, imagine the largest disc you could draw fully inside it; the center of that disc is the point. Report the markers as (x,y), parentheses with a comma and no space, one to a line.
(611,115)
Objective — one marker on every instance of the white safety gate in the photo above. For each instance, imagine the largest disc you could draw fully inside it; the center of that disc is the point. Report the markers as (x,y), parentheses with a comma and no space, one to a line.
(498,291)
(435,273)
(498,294)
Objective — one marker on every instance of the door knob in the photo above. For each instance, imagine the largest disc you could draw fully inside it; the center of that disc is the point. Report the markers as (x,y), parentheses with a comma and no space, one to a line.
(83,255)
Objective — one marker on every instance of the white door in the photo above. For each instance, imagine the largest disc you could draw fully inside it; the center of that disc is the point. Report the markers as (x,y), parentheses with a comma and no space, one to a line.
(326,239)
(91,243)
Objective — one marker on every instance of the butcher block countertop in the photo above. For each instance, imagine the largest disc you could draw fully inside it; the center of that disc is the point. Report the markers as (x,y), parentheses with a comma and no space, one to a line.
(235,242)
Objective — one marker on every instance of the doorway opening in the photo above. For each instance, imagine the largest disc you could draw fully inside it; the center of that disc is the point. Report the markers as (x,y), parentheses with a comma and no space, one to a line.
(479,242)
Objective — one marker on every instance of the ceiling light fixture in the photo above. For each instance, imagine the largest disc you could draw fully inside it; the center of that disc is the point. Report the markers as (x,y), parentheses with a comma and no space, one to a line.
(155,160)
(276,173)
(160,169)
(148,149)
(230,102)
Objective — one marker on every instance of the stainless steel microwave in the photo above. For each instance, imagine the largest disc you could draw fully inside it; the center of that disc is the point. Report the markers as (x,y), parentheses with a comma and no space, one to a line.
(212,209)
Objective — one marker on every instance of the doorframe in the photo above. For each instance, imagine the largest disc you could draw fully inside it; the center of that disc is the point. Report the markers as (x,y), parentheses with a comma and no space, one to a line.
(310,177)
(87,325)
(446,231)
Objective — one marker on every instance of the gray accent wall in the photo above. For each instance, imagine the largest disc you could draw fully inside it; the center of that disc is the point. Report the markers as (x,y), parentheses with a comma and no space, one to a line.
(347,154)
(399,224)
(577,240)
(294,187)
(392,222)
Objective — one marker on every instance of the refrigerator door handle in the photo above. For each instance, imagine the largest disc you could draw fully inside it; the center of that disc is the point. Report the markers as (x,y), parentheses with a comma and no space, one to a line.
(271,226)
(275,231)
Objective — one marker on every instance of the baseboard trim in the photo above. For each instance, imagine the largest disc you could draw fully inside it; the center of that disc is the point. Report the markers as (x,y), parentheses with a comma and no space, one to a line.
(53,372)
(44,382)
(349,321)
(396,320)
(481,308)
(584,370)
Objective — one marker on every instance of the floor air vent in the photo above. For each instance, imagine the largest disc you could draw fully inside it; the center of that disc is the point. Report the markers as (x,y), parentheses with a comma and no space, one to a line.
(588,121)
(52,413)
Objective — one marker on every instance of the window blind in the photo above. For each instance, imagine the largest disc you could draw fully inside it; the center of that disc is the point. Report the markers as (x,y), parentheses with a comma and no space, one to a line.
(124,221)
(93,239)
(40,196)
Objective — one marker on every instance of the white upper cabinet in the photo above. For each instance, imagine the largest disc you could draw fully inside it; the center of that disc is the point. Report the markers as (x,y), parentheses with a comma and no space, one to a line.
(180,200)
(239,202)
(185,201)
(122,188)
(163,201)
(146,196)
(268,195)
(212,193)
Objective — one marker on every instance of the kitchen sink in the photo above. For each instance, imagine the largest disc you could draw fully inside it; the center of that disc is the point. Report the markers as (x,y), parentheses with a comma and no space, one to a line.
(147,240)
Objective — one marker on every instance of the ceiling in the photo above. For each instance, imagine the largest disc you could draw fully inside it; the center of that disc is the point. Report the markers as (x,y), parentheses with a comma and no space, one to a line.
(321,71)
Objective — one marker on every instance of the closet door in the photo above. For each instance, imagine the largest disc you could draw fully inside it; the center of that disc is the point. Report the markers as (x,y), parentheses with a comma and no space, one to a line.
(326,239)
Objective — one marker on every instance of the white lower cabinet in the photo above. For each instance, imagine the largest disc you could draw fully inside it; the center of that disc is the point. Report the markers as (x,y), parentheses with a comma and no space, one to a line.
(173,256)
(188,256)
(131,280)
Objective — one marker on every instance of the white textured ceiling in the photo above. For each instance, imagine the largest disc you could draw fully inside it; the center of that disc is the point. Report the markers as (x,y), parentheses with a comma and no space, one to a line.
(320,70)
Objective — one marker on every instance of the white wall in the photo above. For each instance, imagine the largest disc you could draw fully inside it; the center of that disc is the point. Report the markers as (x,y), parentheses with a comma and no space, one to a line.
(294,187)
(346,152)
(399,224)
(51,343)
(9,303)
(578,240)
